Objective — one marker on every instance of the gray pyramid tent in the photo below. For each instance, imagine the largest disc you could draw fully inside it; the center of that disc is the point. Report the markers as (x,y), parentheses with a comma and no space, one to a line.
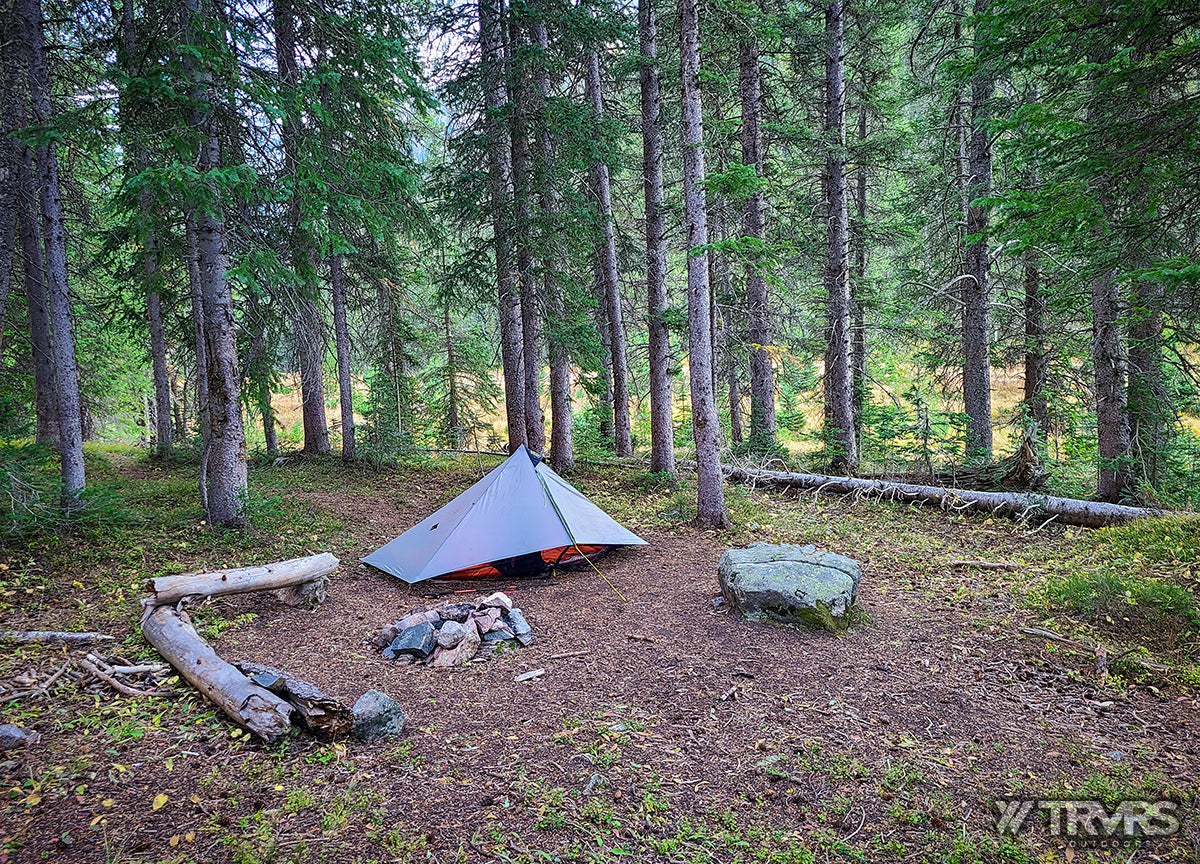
(520,519)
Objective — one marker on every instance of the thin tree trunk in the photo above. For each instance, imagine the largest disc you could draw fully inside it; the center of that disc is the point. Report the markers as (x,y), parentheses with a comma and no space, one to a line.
(341,335)
(158,359)
(1036,359)
(606,377)
(758,304)
(839,385)
(737,424)
(662,429)
(858,339)
(224,466)
(622,435)
(310,338)
(196,295)
(710,490)
(491,36)
(453,422)
(976,291)
(1149,408)
(44,390)
(66,367)
(562,419)
(531,361)
(1112,414)
(9,72)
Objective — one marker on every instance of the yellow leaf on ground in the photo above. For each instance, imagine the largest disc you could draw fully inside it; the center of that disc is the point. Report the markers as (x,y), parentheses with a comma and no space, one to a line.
(174,841)
(159,800)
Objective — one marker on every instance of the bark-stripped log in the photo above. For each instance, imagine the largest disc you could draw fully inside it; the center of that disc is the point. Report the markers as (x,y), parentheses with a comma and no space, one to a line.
(51,637)
(247,704)
(281,574)
(1069,511)
(316,711)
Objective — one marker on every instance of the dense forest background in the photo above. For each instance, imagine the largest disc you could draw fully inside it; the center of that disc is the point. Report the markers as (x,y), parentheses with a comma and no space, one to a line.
(883,237)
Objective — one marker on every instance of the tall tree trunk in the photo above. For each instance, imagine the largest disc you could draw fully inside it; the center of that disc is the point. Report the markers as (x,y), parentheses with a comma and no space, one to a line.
(1112,414)
(662,411)
(622,435)
(1149,408)
(9,73)
(491,36)
(341,335)
(737,431)
(710,490)
(606,377)
(1036,359)
(196,295)
(531,338)
(158,360)
(310,338)
(758,304)
(453,420)
(224,465)
(33,266)
(562,418)
(858,339)
(66,367)
(839,385)
(976,291)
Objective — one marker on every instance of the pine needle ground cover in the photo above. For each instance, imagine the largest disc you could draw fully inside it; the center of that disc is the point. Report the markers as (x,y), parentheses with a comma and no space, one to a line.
(704,739)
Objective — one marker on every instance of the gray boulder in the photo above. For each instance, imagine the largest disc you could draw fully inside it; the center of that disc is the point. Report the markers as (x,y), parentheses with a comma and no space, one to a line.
(416,641)
(377,716)
(790,584)
(14,736)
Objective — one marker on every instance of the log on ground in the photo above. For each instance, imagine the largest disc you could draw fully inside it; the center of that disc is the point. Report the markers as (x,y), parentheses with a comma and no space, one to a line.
(269,577)
(1069,511)
(253,707)
(317,711)
(51,637)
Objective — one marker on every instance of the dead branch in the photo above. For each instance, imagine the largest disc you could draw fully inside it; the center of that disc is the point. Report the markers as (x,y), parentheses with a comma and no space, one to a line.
(51,637)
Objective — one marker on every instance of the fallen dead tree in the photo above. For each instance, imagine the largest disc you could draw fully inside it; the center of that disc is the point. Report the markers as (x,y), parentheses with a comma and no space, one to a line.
(51,637)
(264,700)
(1019,505)
(249,705)
(296,581)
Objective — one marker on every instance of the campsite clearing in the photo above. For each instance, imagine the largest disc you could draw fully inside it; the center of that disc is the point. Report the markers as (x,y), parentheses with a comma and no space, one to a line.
(705,739)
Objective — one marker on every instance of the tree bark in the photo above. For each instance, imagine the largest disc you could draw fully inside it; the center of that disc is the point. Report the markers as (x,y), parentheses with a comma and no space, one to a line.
(562,418)
(247,704)
(1067,511)
(1036,359)
(662,409)
(1112,414)
(341,335)
(491,36)
(758,304)
(710,491)
(622,435)
(224,468)
(158,360)
(531,337)
(839,385)
(976,291)
(1149,405)
(310,337)
(453,422)
(66,367)
(858,339)
(196,296)
(33,267)
(9,73)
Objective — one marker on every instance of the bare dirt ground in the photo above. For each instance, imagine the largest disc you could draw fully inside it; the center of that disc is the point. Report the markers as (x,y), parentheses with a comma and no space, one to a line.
(682,734)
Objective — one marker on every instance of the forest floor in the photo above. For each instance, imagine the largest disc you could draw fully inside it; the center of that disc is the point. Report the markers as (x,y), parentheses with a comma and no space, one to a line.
(716,741)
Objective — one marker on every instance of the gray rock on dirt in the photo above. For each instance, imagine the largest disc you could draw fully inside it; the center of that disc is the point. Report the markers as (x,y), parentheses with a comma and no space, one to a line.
(416,641)
(520,627)
(790,584)
(377,716)
(450,634)
(14,736)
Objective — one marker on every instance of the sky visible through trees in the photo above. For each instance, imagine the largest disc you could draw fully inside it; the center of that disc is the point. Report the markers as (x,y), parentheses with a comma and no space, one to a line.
(904,238)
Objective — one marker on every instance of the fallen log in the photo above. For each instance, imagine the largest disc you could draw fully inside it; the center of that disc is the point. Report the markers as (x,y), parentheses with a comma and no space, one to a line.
(246,703)
(1020,505)
(317,712)
(285,575)
(51,637)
